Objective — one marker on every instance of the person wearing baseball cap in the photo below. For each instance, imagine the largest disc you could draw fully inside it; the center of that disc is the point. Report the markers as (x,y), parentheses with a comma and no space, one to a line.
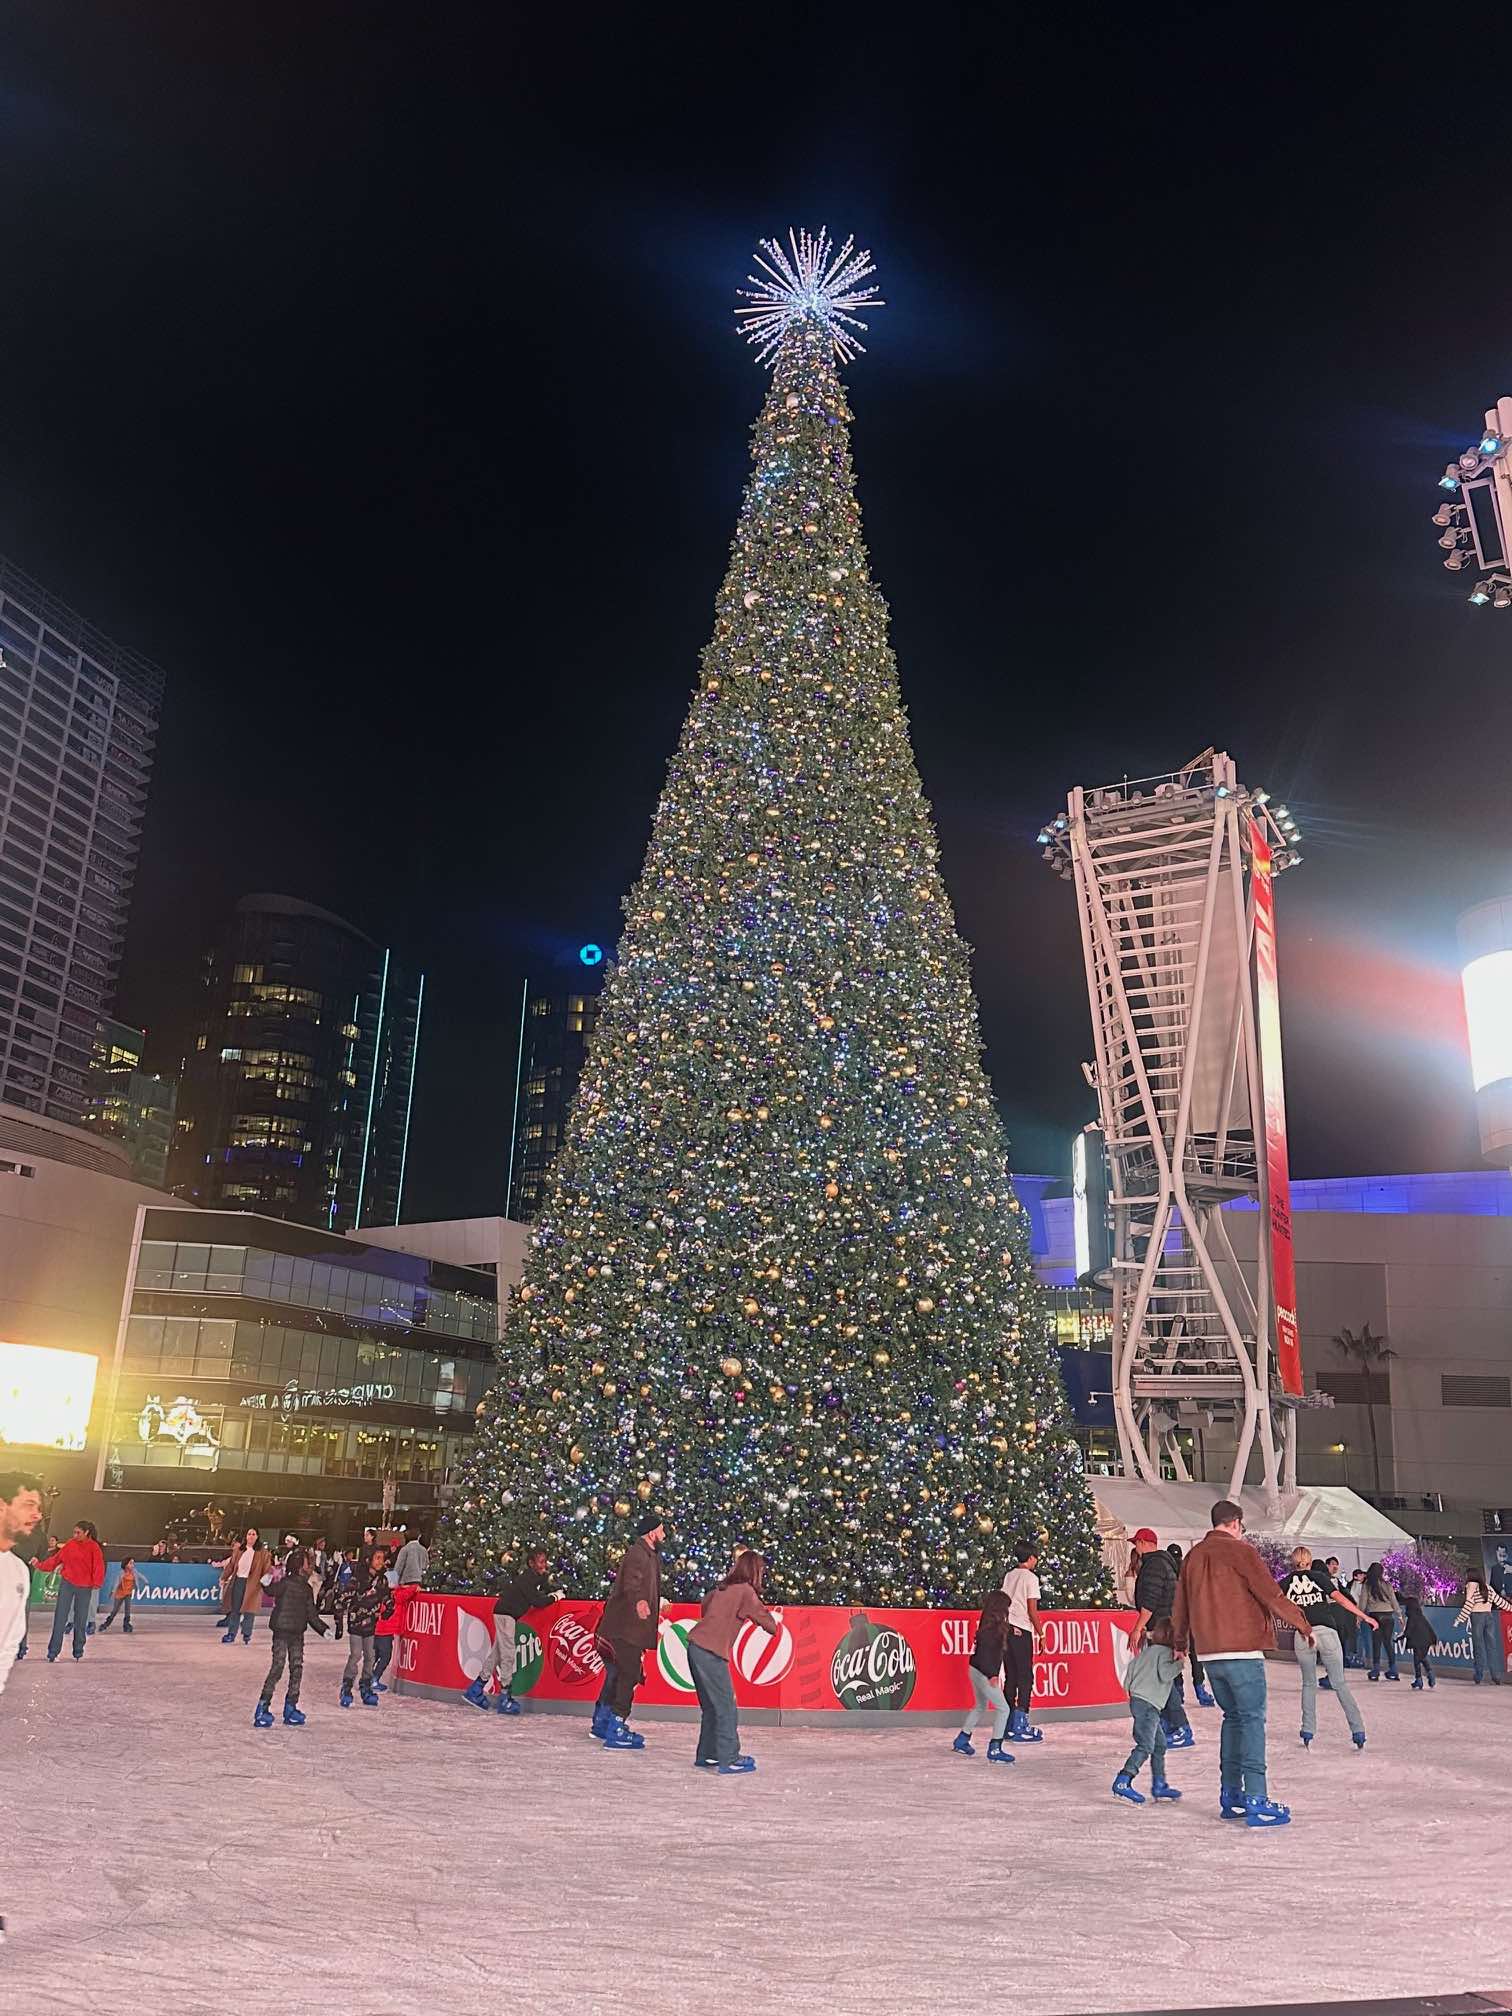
(1155,1596)
(628,1627)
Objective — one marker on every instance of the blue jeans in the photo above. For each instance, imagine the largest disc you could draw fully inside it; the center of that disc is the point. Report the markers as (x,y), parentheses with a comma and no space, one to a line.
(718,1735)
(1239,1689)
(1326,1647)
(1149,1740)
(1483,1643)
(72,1609)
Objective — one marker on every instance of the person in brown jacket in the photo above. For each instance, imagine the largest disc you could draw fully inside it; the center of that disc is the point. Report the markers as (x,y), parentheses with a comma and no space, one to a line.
(249,1563)
(628,1629)
(1226,1600)
(733,1602)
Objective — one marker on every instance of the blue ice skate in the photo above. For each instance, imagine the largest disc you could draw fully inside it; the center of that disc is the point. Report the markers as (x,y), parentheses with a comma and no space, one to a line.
(1123,1788)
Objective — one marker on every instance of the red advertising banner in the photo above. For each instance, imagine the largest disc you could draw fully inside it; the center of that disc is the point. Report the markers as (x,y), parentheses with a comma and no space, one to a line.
(1287,1340)
(820,1659)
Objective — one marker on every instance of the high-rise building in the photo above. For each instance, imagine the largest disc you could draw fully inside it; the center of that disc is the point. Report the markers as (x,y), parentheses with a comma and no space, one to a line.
(78,720)
(130,1105)
(296,1099)
(557,1024)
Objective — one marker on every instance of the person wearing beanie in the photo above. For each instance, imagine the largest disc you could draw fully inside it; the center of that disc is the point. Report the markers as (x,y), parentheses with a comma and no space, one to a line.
(628,1627)
(1154,1598)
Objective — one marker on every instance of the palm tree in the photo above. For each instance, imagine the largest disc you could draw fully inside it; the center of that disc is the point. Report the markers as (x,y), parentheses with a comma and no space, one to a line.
(1368,1350)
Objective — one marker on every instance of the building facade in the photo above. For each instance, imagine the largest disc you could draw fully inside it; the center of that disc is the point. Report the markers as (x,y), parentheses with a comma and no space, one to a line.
(297,1098)
(68,1210)
(557,1028)
(130,1105)
(78,723)
(302,1379)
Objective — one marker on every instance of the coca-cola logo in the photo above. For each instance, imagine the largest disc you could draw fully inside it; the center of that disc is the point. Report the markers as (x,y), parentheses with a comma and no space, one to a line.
(873,1667)
(572,1651)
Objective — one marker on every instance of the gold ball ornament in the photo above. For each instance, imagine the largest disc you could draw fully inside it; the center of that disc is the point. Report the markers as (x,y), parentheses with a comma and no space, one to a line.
(730,1367)
(924,1304)
(643,1490)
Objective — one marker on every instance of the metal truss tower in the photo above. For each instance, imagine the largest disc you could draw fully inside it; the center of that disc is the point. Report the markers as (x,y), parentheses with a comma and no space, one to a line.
(1173,887)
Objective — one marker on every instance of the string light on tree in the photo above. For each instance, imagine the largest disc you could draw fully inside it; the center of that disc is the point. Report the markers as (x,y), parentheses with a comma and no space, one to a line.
(780,1286)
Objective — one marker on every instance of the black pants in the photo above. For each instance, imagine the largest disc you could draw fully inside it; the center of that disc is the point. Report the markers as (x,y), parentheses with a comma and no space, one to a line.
(1199,1678)
(1174,1714)
(1018,1668)
(622,1675)
(121,1603)
(1419,1664)
(288,1647)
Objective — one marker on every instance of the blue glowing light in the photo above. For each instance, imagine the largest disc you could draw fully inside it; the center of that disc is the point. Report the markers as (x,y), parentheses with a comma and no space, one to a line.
(1490,444)
(1449,482)
(591,955)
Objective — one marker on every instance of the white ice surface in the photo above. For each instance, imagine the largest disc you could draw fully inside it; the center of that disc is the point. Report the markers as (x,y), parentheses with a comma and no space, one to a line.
(162,1855)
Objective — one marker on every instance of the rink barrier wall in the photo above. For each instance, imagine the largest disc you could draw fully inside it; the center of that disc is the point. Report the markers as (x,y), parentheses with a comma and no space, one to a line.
(852,1666)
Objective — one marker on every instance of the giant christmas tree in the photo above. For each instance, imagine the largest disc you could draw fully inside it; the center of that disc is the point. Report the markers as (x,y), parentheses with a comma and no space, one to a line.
(781,1286)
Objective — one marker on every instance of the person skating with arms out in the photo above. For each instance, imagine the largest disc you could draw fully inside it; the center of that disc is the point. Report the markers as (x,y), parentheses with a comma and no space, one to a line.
(1153,1671)
(81,1570)
(529,1590)
(1479,1611)
(366,1598)
(1226,1600)
(1309,1585)
(295,1611)
(629,1625)
(1021,1587)
(20,1512)
(985,1669)
(125,1589)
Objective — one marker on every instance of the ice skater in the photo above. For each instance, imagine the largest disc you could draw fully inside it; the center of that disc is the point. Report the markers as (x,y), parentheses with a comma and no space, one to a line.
(1154,1594)
(295,1611)
(1380,1605)
(366,1599)
(1421,1639)
(125,1589)
(629,1626)
(1310,1586)
(530,1590)
(1200,1692)
(1226,1600)
(1479,1611)
(20,1511)
(731,1603)
(81,1570)
(250,1563)
(985,1668)
(1153,1672)
(1021,1587)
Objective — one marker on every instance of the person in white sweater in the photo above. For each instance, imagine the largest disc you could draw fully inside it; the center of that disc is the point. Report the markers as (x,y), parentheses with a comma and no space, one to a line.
(1479,1608)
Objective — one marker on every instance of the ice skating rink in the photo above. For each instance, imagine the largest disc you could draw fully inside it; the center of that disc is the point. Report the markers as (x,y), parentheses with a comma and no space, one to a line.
(163,1856)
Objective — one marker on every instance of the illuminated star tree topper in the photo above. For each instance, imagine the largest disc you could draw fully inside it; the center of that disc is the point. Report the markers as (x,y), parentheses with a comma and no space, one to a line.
(807,278)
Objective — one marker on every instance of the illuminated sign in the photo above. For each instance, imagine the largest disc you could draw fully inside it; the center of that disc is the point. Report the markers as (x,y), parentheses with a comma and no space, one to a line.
(591,955)
(45,1396)
(180,1421)
(291,1399)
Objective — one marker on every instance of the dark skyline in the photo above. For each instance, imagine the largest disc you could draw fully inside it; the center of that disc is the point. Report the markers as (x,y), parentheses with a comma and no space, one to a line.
(378,377)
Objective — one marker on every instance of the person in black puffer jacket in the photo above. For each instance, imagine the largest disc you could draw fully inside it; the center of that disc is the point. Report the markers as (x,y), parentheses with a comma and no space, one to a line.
(1154,1596)
(529,1589)
(366,1598)
(294,1612)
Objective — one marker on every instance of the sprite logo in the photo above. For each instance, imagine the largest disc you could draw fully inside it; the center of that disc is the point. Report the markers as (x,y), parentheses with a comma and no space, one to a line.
(528,1659)
(873,1667)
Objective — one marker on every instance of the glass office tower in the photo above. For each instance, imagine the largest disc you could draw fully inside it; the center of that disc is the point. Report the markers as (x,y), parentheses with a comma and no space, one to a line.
(78,721)
(296,1100)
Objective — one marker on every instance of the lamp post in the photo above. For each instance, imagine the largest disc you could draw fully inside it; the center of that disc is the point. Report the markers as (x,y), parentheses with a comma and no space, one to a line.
(1474,517)
(1341,1450)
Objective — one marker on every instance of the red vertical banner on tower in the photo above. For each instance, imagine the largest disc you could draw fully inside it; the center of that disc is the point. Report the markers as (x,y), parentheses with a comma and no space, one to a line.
(1288,1341)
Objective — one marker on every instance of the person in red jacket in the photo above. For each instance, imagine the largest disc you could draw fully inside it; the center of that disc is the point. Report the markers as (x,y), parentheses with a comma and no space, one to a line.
(81,1567)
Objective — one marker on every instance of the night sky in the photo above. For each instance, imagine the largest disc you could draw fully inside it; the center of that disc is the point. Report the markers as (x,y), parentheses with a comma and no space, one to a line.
(373,369)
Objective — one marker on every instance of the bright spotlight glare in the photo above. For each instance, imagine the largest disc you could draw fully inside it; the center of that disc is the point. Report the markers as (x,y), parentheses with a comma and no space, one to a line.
(1487,982)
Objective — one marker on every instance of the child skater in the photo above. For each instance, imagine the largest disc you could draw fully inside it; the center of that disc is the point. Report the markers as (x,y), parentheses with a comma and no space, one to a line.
(1152,1672)
(986,1670)
(1421,1639)
(365,1602)
(295,1611)
(125,1589)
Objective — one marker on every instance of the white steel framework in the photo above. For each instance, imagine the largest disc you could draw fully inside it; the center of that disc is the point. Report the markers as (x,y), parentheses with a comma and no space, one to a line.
(1162,870)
